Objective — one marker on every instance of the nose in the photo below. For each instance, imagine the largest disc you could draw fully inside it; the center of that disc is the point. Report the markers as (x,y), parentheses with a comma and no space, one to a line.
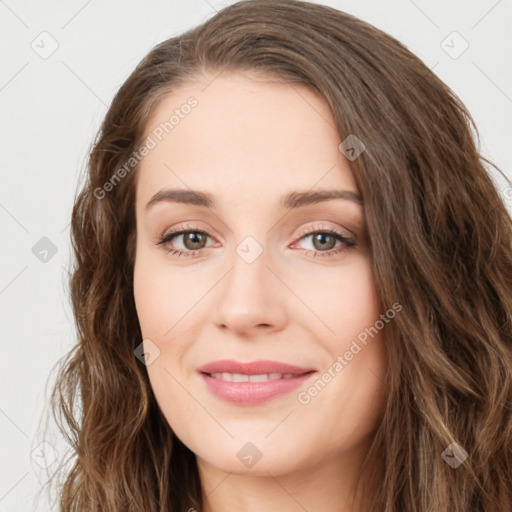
(251,298)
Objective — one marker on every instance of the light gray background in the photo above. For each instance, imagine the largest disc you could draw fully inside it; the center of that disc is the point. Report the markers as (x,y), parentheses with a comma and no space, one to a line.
(51,108)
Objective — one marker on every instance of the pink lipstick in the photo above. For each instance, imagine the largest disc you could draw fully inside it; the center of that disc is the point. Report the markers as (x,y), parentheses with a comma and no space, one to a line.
(252,383)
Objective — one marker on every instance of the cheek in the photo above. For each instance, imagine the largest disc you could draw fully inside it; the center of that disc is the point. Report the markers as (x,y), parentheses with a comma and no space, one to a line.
(159,304)
(163,300)
(161,297)
(346,301)
(153,309)
(353,396)
(359,303)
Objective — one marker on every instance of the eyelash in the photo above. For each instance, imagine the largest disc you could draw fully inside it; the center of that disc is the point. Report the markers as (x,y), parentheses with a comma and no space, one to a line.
(347,243)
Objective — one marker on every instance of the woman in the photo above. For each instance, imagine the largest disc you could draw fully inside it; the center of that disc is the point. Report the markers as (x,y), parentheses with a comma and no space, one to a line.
(293,281)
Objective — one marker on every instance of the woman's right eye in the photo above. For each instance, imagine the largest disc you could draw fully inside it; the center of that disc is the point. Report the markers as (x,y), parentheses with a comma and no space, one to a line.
(192,240)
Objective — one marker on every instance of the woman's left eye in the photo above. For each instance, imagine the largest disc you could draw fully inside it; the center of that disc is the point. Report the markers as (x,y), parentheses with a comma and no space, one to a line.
(323,241)
(326,238)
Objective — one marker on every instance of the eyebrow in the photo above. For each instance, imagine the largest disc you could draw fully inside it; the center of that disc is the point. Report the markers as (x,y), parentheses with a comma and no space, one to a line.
(291,200)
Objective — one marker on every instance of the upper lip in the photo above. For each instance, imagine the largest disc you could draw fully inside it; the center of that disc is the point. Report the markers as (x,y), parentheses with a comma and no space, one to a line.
(252,368)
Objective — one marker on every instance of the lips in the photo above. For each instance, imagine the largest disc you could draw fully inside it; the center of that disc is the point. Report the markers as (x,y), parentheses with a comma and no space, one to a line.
(254,382)
(252,368)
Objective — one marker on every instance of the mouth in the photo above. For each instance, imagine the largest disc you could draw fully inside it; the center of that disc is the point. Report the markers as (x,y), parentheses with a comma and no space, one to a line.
(261,377)
(252,383)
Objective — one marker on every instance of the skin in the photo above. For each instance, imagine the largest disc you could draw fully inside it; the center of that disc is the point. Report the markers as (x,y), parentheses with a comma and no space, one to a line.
(248,142)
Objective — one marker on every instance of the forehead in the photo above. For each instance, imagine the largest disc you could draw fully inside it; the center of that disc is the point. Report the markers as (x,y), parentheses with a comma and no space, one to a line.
(247,134)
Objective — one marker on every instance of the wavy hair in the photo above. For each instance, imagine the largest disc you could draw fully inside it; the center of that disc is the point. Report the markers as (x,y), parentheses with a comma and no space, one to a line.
(440,244)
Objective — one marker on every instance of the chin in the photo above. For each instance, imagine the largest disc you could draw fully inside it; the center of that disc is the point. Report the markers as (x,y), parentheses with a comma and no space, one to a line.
(273,464)
(257,457)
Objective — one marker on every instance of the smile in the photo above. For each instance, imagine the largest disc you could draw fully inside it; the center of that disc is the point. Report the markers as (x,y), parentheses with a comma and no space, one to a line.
(241,377)
(254,382)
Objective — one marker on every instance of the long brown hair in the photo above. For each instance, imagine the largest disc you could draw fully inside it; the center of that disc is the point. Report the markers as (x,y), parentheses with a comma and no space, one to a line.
(440,244)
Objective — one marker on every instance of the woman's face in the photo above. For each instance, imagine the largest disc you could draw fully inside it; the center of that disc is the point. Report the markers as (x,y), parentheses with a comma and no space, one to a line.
(266,271)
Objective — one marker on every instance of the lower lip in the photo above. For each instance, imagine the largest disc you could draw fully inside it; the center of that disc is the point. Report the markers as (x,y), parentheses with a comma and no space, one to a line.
(250,393)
